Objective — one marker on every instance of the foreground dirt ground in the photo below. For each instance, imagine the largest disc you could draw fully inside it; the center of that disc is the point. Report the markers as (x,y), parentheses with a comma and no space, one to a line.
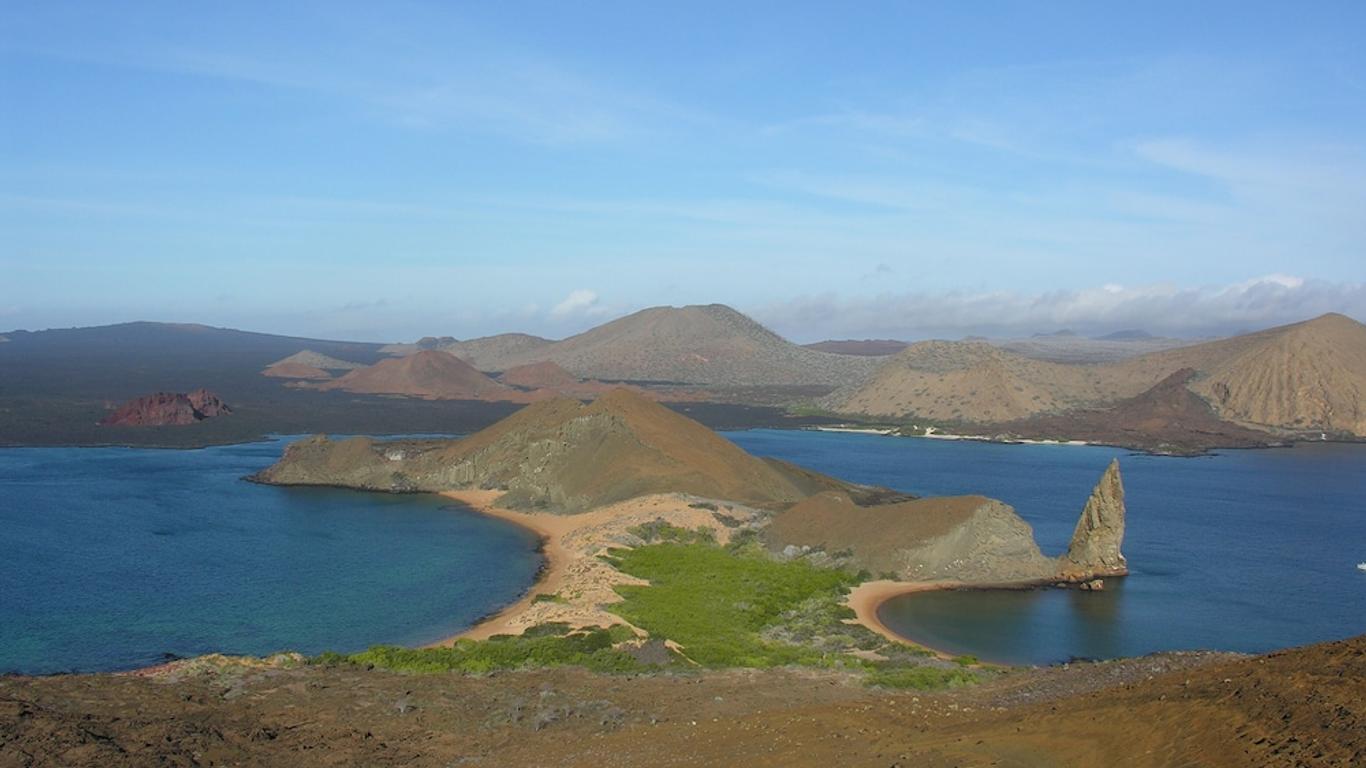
(1297,708)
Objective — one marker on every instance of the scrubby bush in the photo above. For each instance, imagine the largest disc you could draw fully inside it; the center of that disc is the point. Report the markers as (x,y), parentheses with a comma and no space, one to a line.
(923,678)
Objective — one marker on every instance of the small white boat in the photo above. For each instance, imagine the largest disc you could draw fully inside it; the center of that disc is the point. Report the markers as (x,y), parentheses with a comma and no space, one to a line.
(1361,566)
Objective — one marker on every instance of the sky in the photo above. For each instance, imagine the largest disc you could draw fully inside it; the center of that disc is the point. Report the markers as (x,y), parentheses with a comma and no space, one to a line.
(384,171)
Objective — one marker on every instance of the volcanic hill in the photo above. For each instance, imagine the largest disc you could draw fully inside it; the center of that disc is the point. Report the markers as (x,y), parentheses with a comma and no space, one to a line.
(1299,379)
(431,374)
(712,344)
(865,347)
(559,455)
(308,365)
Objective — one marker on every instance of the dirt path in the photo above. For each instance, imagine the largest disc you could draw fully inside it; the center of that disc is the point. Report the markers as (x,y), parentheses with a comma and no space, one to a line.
(581,583)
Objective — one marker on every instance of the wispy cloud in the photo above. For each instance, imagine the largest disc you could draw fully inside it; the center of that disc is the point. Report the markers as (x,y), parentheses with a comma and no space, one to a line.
(578,302)
(1160,308)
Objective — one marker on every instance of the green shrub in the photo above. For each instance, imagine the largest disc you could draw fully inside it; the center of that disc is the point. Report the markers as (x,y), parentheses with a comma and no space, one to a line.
(716,603)
(922,678)
(545,646)
(658,530)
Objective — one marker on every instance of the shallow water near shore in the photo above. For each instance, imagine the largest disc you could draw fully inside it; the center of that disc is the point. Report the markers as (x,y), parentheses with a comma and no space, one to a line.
(1241,551)
(112,558)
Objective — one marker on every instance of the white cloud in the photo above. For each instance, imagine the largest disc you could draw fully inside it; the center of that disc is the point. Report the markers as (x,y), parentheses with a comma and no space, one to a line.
(578,302)
(1159,308)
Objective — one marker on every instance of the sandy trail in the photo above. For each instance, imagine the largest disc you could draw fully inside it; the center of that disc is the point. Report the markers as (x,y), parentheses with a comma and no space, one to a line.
(582,583)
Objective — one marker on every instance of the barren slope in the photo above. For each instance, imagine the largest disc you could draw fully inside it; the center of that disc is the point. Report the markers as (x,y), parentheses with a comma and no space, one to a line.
(710,344)
(976,382)
(556,454)
(1301,707)
(430,373)
(1169,418)
(1305,377)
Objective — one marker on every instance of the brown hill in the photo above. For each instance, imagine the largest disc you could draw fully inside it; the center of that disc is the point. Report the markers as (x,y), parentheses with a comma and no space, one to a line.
(558,454)
(1306,377)
(710,344)
(1169,418)
(546,378)
(430,374)
(544,375)
(1301,378)
(314,359)
(167,409)
(972,381)
(283,370)
(488,353)
(865,347)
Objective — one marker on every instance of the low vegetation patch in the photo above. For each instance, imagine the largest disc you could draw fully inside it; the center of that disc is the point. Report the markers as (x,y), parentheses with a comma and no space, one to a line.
(921,678)
(660,530)
(733,606)
(550,645)
(717,603)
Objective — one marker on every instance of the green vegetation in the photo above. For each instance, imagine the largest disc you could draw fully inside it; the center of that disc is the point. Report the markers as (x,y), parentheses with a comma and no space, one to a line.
(717,603)
(547,597)
(660,531)
(923,678)
(727,607)
(546,646)
(967,660)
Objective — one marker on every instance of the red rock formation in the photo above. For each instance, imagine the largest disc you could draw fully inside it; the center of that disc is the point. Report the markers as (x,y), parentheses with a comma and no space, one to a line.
(167,409)
(207,404)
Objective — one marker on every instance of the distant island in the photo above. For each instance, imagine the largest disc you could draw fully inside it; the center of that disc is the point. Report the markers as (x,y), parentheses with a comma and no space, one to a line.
(1304,381)
(163,409)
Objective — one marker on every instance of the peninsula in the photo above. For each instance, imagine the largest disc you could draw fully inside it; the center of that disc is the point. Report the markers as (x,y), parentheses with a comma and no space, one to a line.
(591,477)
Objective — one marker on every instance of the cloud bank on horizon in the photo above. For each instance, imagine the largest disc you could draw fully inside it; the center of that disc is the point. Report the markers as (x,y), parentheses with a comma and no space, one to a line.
(1159,309)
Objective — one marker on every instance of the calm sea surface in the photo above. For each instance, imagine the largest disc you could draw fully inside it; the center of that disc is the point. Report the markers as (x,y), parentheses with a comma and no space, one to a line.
(112,558)
(1244,551)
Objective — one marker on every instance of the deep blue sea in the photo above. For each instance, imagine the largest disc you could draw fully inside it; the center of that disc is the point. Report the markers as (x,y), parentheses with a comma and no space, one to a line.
(113,558)
(1243,550)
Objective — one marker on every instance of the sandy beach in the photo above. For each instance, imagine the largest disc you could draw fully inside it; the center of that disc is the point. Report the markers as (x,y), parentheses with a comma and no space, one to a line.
(581,582)
(866,598)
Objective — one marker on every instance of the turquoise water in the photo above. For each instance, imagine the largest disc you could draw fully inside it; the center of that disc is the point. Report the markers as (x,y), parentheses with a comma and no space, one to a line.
(1243,551)
(115,558)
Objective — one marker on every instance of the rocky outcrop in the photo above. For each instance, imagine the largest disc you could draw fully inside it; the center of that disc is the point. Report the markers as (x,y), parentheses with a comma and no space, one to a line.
(167,409)
(970,540)
(207,404)
(1095,548)
(967,539)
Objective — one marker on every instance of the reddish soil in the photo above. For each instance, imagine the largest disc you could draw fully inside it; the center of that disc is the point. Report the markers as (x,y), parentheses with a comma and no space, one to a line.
(1303,707)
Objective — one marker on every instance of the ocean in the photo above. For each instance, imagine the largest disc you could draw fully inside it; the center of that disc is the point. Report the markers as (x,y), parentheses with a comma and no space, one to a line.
(1245,550)
(117,558)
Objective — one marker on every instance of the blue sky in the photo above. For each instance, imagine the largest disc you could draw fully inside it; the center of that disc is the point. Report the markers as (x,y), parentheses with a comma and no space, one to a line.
(390,170)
